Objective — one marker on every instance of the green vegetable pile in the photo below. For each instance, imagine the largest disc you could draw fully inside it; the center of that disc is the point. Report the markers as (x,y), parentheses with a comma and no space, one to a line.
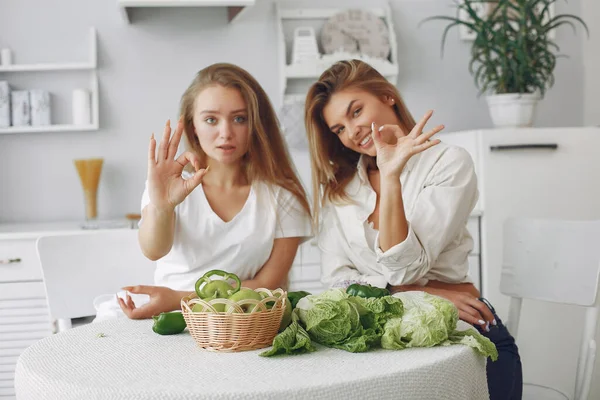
(361,318)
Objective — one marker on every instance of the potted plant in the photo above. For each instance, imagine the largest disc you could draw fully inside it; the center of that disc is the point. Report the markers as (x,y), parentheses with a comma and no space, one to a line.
(513,54)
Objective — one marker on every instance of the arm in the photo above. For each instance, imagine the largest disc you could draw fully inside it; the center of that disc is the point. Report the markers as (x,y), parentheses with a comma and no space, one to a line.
(439,214)
(156,232)
(165,189)
(433,287)
(273,274)
(464,296)
(393,226)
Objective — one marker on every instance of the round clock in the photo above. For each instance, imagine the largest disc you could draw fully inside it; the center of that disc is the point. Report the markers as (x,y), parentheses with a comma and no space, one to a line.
(356,31)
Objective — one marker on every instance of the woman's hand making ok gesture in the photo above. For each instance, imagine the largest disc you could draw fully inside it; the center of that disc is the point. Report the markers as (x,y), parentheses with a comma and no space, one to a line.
(392,157)
(166,186)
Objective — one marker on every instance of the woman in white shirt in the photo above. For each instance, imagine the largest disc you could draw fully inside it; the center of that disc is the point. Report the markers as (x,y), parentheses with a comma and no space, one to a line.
(241,208)
(393,203)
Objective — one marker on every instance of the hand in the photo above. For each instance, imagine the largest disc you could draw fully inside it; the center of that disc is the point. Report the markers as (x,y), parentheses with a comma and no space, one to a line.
(162,299)
(470,308)
(166,187)
(392,157)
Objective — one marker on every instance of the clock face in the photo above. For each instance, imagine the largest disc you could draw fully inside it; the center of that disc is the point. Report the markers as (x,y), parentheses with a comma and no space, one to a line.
(356,31)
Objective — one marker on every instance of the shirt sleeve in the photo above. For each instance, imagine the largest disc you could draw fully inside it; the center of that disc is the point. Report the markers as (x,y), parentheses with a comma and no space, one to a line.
(440,213)
(292,218)
(335,265)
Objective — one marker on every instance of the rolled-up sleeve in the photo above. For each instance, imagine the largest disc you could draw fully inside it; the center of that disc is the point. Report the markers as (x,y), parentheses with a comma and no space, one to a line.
(439,214)
(335,265)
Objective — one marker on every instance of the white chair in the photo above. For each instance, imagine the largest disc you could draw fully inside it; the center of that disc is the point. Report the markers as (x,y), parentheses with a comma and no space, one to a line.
(79,267)
(555,261)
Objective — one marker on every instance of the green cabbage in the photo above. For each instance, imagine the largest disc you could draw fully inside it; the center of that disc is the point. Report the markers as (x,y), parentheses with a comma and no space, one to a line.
(431,321)
(356,324)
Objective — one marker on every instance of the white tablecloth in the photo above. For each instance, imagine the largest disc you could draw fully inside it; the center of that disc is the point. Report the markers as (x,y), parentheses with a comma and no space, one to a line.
(124,359)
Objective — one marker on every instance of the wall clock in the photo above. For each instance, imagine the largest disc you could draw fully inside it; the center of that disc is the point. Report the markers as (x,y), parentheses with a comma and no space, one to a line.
(356,31)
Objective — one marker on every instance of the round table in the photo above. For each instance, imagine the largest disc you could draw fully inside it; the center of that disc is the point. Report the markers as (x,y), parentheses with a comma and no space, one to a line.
(125,359)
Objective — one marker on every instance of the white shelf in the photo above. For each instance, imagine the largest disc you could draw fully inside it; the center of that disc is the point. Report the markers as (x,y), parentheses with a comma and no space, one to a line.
(48,128)
(90,66)
(235,7)
(287,10)
(47,67)
(306,70)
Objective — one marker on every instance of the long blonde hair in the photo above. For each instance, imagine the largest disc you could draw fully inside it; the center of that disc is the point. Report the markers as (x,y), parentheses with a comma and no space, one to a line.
(267,159)
(333,164)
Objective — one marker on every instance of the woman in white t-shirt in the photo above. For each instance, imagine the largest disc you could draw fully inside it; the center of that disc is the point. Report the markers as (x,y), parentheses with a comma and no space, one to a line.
(393,203)
(241,208)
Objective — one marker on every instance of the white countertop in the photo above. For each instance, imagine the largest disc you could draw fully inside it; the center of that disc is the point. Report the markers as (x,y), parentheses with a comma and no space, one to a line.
(36,229)
(28,230)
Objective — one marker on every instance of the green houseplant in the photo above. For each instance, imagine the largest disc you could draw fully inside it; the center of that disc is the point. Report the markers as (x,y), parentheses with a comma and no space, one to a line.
(513,54)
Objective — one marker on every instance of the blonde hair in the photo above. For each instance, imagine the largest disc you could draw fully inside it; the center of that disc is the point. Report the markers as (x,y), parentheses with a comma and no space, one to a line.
(267,159)
(333,164)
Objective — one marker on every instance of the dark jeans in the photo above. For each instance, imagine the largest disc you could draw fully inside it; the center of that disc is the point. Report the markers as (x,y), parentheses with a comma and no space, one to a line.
(504,376)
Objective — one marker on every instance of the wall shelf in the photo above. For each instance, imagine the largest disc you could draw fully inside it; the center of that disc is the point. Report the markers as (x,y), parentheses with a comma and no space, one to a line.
(234,7)
(312,70)
(48,128)
(47,67)
(90,66)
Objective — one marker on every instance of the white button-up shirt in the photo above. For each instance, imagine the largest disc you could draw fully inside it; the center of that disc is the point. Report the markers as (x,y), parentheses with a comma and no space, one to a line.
(439,190)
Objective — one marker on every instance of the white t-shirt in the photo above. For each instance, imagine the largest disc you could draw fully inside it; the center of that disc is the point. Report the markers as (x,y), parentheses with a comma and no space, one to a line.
(439,190)
(203,241)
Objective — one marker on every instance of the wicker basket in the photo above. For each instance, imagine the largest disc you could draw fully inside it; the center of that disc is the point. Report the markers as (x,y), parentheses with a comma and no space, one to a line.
(234,330)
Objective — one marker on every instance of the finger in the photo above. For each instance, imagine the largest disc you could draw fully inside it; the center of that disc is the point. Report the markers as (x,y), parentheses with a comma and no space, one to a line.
(468,318)
(139,289)
(174,143)
(124,307)
(467,305)
(393,130)
(470,315)
(426,136)
(474,309)
(130,302)
(189,157)
(416,131)
(162,147)
(142,312)
(152,150)
(196,179)
(376,135)
(484,310)
(424,146)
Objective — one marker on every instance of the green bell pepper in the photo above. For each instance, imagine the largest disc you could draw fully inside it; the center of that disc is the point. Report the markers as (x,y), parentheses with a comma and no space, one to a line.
(214,288)
(294,297)
(169,323)
(366,291)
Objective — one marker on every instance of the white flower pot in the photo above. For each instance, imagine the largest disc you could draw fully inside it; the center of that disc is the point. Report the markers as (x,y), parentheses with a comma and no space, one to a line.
(512,110)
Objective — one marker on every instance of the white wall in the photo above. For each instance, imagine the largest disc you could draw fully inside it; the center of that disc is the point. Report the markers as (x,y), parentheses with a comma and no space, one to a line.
(144,68)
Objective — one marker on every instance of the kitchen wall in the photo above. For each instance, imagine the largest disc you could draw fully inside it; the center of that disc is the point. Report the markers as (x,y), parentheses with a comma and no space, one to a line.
(144,67)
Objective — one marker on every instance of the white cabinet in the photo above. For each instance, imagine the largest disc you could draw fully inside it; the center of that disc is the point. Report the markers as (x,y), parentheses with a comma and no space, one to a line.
(538,173)
(24,319)
(24,316)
